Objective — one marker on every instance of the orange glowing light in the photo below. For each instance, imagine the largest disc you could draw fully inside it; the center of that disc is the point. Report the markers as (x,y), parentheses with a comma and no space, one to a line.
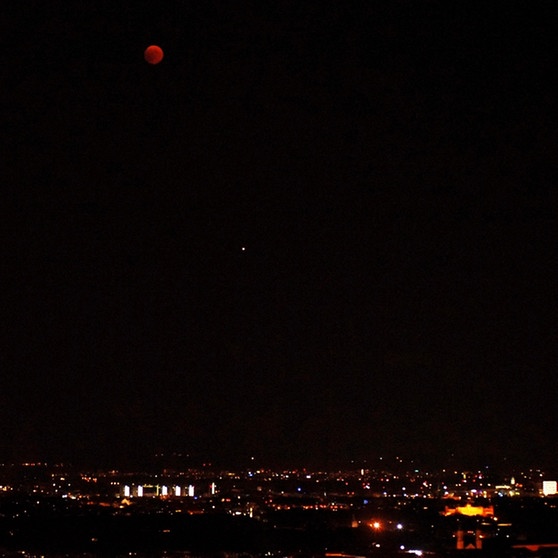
(469,510)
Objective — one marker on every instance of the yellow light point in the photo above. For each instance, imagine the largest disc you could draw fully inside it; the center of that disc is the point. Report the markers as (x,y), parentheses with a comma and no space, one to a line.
(375,525)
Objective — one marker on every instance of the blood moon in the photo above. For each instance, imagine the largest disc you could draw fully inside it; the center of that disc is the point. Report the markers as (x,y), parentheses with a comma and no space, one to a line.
(153,54)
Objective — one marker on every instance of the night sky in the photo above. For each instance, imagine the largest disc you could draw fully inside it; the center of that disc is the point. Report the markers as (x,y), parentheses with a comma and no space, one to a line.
(315,232)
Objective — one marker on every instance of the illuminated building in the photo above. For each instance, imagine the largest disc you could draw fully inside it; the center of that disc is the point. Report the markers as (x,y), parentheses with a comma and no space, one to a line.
(469,510)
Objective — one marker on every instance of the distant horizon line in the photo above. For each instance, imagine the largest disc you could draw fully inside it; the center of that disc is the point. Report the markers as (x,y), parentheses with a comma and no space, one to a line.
(263,465)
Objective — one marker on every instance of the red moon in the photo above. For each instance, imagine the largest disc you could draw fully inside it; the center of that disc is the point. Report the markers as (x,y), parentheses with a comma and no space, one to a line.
(153,54)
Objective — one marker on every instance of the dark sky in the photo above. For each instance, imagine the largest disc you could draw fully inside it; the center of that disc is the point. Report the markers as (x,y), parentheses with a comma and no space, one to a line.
(317,231)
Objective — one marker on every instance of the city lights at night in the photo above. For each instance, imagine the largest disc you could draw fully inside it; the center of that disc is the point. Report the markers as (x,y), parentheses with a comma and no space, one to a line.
(278,279)
(366,510)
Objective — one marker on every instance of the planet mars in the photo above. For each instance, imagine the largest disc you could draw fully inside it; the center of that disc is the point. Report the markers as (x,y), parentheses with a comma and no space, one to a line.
(153,54)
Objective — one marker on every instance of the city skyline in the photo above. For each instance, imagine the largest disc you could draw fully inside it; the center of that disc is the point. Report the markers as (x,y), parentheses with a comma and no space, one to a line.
(268,512)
